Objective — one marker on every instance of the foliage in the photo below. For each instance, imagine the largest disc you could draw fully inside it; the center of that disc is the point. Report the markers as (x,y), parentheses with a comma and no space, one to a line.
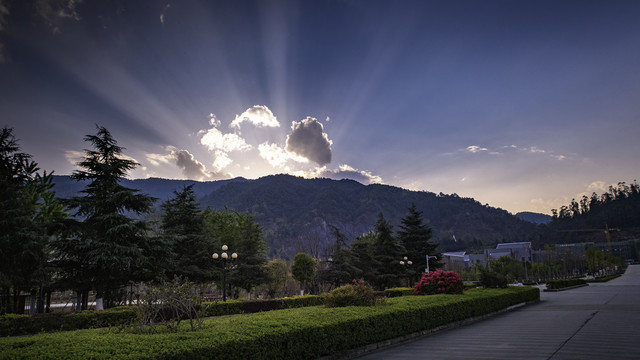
(183,230)
(16,325)
(168,303)
(219,308)
(242,235)
(277,275)
(400,291)
(340,265)
(564,283)
(492,279)
(363,256)
(597,260)
(303,333)
(231,307)
(388,252)
(439,282)
(303,269)
(604,278)
(359,293)
(414,235)
(27,212)
(107,248)
(508,267)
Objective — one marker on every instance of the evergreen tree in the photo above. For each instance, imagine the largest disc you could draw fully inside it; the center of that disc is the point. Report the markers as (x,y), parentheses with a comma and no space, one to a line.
(183,229)
(388,253)
(108,245)
(364,260)
(414,235)
(303,270)
(340,269)
(27,209)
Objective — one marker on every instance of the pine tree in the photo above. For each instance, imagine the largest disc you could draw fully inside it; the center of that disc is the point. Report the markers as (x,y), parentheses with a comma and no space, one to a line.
(183,229)
(108,245)
(27,208)
(388,253)
(340,268)
(414,236)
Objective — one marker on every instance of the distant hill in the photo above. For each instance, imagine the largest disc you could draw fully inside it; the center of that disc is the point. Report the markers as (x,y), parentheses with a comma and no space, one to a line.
(295,213)
(535,218)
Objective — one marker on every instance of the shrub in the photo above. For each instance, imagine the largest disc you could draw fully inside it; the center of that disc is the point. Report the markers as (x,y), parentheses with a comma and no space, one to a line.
(220,308)
(564,283)
(492,279)
(168,303)
(357,294)
(439,282)
(303,301)
(399,291)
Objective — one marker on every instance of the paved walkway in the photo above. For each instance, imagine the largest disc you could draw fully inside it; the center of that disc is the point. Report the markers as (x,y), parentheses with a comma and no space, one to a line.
(599,321)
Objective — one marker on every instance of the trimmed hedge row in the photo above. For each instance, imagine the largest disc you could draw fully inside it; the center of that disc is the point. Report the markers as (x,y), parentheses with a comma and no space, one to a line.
(231,307)
(399,291)
(302,333)
(564,283)
(13,325)
(604,278)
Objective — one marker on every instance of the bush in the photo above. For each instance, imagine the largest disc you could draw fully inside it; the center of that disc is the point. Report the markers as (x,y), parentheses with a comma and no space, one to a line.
(357,294)
(439,282)
(400,291)
(14,325)
(219,308)
(604,278)
(564,283)
(303,301)
(492,279)
(303,333)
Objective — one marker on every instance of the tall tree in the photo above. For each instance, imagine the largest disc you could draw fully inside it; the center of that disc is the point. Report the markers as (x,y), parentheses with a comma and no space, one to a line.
(340,267)
(108,244)
(388,252)
(362,249)
(303,270)
(414,235)
(27,207)
(183,229)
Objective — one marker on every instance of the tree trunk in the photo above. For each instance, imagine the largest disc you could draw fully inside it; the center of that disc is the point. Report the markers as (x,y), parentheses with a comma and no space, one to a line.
(99,300)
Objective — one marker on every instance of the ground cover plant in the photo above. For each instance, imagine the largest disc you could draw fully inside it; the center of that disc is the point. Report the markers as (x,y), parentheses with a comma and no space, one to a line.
(302,333)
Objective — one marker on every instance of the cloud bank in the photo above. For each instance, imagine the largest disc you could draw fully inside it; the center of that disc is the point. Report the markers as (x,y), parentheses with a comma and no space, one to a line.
(258,115)
(308,139)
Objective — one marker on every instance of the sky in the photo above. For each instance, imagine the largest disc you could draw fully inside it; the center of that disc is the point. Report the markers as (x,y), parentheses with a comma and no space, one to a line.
(522,105)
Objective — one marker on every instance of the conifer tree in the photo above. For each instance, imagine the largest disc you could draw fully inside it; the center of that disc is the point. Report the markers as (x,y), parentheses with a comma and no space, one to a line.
(414,235)
(340,268)
(388,253)
(108,245)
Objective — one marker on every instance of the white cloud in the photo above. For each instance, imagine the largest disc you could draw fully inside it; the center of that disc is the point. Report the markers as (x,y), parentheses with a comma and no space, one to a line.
(73,156)
(221,160)
(159,159)
(214,139)
(343,172)
(191,168)
(276,156)
(258,115)
(475,149)
(308,139)
(598,186)
(53,12)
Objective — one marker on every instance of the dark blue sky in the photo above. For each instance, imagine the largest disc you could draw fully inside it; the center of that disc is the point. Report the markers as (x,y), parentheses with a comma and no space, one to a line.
(519,104)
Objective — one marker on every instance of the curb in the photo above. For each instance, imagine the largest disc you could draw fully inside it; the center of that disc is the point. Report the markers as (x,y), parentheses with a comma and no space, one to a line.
(385,344)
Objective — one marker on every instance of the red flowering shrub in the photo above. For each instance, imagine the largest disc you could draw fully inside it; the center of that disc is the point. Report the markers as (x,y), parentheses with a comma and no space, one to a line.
(359,293)
(439,282)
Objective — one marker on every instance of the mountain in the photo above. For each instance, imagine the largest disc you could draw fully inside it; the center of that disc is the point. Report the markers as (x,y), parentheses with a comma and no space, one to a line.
(296,213)
(535,218)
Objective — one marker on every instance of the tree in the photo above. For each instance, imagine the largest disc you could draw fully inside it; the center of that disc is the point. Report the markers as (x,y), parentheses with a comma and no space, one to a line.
(362,249)
(183,229)
(388,253)
(277,275)
(303,270)
(414,235)
(108,245)
(340,268)
(27,209)
(242,235)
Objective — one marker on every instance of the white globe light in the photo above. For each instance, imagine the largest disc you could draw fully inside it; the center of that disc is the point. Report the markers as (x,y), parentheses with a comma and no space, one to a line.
(215,255)
(224,255)
(401,262)
(234,256)
(224,247)
(410,262)
(405,258)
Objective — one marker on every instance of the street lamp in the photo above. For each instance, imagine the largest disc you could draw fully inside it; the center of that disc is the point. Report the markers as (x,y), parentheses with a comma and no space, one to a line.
(224,257)
(406,261)
(429,257)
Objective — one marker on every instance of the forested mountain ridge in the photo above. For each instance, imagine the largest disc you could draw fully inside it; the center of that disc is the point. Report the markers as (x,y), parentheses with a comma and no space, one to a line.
(295,213)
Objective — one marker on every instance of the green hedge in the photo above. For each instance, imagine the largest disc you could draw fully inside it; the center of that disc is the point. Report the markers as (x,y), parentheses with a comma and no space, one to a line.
(231,307)
(564,283)
(301,333)
(13,325)
(604,278)
(399,291)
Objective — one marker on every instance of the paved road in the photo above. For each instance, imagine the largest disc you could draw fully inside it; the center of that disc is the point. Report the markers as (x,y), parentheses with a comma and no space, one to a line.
(599,321)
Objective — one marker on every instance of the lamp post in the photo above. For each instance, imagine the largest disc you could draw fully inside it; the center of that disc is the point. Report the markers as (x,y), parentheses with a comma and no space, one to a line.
(406,261)
(429,257)
(224,257)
